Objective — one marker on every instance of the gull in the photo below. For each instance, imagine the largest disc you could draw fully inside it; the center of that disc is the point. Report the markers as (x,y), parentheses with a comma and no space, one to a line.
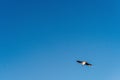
(84,63)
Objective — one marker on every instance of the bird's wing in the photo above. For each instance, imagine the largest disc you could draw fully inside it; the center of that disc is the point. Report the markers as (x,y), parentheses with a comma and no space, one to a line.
(79,61)
(88,64)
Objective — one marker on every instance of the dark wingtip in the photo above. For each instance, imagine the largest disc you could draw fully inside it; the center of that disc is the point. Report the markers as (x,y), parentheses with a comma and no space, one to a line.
(78,61)
(90,65)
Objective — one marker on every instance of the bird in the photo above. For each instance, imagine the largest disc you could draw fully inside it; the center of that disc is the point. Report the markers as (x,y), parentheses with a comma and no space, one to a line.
(84,63)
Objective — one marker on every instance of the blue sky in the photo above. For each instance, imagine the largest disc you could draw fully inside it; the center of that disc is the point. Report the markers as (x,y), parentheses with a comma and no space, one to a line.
(42,39)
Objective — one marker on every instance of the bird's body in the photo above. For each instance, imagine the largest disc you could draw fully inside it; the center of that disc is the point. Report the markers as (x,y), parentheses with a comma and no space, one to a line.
(83,63)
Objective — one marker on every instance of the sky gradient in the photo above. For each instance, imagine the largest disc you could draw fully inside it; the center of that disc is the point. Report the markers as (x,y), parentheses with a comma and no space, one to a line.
(42,39)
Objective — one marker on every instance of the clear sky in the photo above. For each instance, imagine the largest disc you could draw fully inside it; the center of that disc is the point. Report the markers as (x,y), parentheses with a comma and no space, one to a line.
(42,39)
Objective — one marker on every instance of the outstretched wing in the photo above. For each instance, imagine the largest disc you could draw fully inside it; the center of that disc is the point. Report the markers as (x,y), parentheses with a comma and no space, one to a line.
(88,64)
(79,61)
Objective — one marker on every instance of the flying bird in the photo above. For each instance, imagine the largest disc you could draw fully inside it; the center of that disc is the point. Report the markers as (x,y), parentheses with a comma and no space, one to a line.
(84,63)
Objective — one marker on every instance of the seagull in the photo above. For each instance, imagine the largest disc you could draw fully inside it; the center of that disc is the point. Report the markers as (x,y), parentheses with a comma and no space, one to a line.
(84,63)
